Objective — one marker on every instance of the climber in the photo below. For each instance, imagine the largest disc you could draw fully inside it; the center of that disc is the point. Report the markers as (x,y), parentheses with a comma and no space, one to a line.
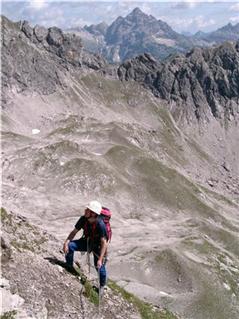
(94,229)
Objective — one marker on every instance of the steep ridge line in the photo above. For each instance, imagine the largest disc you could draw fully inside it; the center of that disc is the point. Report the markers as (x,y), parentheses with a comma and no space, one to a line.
(198,86)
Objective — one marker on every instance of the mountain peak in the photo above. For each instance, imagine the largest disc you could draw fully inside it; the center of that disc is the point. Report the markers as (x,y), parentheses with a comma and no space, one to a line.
(97,29)
(229,27)
(138,14)
(137,11)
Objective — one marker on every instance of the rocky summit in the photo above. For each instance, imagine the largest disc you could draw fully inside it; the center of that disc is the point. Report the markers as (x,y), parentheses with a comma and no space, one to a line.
(140,33)
(134,34)
(228,32)
(156,142)
(204,82)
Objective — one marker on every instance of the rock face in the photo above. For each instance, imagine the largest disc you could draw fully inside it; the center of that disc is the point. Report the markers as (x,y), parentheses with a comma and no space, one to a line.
(139,33)
(36,264)
(98,29)
(200,84)
(40,33)
(228,32)
(132,35)
(50,54)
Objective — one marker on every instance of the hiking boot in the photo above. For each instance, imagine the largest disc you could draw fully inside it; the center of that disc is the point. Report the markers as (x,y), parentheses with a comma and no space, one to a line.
(101,291)
(71,269)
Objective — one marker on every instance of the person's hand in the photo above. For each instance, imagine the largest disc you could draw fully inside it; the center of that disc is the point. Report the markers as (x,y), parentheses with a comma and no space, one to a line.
(99,263)
(65,247)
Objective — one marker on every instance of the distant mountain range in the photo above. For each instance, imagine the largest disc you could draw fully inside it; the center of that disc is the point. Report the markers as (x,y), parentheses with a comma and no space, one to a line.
(139,33)
(197,85)
(226,33)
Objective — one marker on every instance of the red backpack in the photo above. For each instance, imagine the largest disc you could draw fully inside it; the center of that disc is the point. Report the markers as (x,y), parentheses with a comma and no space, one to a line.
(106,215)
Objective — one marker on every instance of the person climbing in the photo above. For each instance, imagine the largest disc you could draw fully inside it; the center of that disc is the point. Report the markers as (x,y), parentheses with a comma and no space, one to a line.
(94,229)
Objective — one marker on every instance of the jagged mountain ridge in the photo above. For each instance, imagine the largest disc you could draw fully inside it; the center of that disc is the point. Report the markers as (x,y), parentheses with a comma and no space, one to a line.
(198,85)
(228,32)
(139,33)
(103,138)
(50,53)
(135,34)
(204,81)
(98,29)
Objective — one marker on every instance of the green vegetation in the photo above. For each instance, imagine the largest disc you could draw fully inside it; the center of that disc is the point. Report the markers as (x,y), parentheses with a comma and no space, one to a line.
(27,239)
(200,153)
(167,185)
(6,219)
(146,310)
(227,273)
(218,197)
(112,92)
(24,244)
(213,300)
(204,247)
(227,239)
(4,215)
(9,314)
(169,137)
(89,292)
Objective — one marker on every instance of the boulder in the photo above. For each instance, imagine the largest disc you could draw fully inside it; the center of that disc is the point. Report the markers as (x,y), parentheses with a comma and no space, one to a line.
(40,33)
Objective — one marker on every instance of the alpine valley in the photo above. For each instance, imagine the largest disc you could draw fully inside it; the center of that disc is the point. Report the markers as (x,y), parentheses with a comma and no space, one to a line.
(154,137)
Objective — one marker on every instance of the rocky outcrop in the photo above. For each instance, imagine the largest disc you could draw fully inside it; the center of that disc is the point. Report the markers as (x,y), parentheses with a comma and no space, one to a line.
(40,33)
(36,282)
(97,29)
(135,34)
(228,32)
(138,68)
(136,25)
(138,33)
(198,85)
(38,58)
(202,83)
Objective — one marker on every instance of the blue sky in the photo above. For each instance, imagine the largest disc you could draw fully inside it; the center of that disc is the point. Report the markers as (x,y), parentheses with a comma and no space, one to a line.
(189,16)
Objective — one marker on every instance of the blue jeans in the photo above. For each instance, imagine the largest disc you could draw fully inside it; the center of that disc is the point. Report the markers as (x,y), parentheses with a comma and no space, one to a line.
(81,245)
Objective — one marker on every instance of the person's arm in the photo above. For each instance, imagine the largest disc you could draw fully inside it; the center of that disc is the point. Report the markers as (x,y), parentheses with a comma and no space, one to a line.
(79,225)
(68,239)
(102,251)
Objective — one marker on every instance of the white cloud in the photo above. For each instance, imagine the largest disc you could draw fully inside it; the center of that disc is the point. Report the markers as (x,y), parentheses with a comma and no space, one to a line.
(234,7)
(49,18)
(38,4)
(234,19)
(184,24)
(203,22)
(187,4)
(78,22)
(146,8)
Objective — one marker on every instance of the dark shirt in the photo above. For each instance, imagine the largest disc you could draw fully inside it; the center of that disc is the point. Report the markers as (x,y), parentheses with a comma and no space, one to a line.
(99,233)
(95,232)
(81,223)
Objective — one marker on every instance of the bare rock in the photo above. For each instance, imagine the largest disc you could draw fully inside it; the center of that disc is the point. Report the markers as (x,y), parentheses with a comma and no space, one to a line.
(201,84)
(27,29)
(210,183)
(40,33)
(6,251)
(55,37)
(226,167)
